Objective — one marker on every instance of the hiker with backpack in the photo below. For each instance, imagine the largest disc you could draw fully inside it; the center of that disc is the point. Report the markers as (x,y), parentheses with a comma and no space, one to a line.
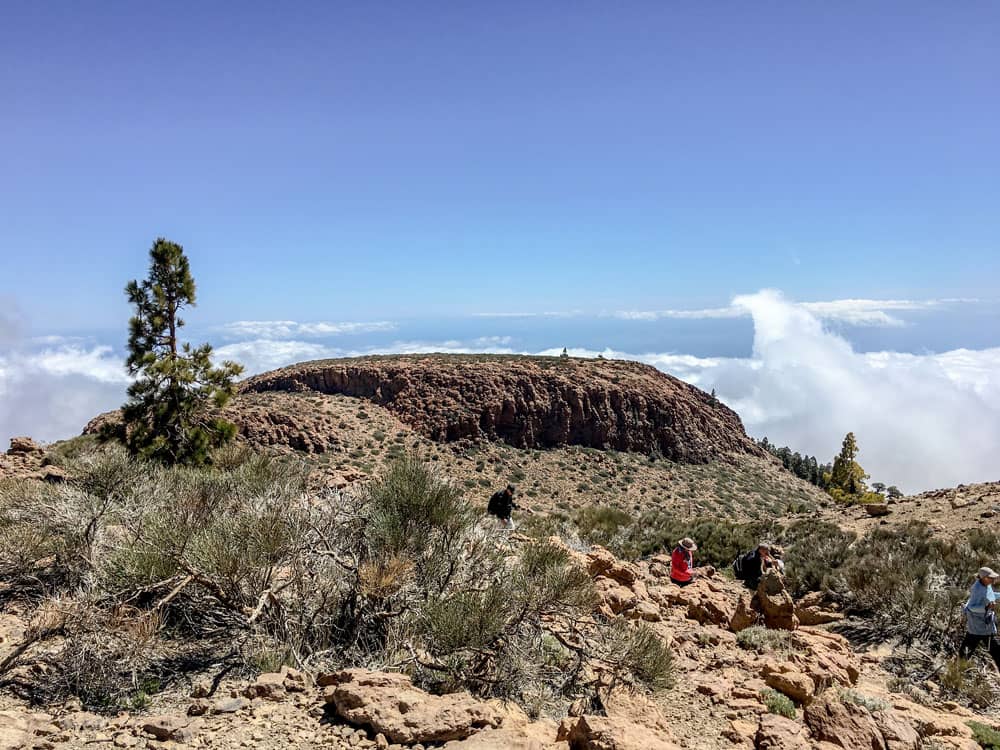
(980,617)
(502,506)
(751,566)
(682,561)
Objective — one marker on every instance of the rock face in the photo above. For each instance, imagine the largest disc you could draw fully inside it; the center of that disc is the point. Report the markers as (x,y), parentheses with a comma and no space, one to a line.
(844,725)
(389,704)
(776,603)
(531,402)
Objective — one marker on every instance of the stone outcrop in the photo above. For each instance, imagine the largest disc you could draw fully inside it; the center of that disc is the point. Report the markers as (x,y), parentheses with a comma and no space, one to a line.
(779,733)
(843,724)
(531,402)
(612,733)
(775,603)
(389,704)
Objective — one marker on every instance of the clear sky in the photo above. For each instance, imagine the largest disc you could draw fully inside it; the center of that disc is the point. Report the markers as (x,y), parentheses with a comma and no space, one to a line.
(398,159)
(633,179)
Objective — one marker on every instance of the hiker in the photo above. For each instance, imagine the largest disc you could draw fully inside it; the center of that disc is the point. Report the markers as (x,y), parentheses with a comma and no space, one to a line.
(682,561)
(750,567)
(980,617)
(501,505)
(778,556)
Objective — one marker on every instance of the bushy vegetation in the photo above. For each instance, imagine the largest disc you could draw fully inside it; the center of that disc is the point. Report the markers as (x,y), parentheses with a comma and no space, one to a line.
(148,571)
(987,737)
(779,703)
(763,640)
(719,541)
(868,702)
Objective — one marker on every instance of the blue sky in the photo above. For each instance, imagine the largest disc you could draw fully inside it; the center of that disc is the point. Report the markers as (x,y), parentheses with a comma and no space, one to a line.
(424,170)
(332,159)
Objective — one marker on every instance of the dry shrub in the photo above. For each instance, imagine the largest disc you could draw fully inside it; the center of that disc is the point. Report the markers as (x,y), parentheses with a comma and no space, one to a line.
(237,564)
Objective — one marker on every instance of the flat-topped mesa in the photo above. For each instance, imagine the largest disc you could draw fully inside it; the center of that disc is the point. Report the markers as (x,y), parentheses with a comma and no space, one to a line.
(531,402)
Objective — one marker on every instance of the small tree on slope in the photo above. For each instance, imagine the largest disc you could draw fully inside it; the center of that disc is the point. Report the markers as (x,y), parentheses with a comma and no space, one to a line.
(168,416)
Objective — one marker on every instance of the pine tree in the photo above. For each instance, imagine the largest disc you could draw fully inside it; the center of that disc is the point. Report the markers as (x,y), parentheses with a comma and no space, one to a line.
(168,416)
(847,474)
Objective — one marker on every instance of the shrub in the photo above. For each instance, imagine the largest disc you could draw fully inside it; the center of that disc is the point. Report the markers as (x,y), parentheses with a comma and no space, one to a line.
(719,542)
(599,524)
(779,703)
(762,640)
(965,682)
(637,654)
(987,737)
(872,704)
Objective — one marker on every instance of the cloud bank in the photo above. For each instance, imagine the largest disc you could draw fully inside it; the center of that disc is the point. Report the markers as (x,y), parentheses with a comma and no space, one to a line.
(283,329)
(922,420)
(51,392)
(856,312)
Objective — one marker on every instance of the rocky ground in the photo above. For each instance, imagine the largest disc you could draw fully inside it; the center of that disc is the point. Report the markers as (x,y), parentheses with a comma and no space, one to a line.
(732,648)
(947,511)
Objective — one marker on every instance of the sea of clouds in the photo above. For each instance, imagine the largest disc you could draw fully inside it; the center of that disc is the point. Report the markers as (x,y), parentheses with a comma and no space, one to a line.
(922,420)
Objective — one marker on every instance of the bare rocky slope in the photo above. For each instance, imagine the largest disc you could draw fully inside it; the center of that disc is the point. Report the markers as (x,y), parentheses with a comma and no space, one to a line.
(532,402)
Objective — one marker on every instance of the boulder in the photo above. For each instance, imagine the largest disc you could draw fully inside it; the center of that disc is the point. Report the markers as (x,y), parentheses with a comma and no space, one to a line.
(744,616)
(877,509)
(613,596)
(776,604)
(896,731)
(810,611)
(388,703)
(168,727)
(602,562)
(645,610)
(24,445)
(784,678)
(843,724)
(506,739)
(612,733)
(779,733)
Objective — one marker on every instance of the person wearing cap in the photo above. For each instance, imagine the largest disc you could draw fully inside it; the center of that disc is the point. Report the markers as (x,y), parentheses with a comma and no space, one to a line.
(682,561)
(502,506)
(751,566)
(980,616)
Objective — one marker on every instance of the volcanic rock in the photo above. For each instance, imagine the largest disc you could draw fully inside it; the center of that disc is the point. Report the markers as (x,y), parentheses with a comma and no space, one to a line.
(532,402)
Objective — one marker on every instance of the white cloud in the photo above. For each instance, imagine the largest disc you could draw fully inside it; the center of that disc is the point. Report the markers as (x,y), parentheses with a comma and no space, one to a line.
(922,420)
(53,392)
(260,355)
(856,312)
(547,314)
(286,329)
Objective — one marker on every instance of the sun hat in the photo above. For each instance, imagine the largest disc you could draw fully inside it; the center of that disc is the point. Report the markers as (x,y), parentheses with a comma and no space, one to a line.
(987,573)
(688,544)
(765,545)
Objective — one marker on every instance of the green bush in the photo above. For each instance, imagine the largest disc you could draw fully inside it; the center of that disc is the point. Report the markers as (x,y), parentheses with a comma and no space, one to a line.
(763,640)
(719,542)
(779,703)
(987,737)
(600,524)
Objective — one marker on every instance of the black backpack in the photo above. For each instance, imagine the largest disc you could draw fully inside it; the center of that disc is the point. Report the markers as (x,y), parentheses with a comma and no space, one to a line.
(495,508)
(738,567)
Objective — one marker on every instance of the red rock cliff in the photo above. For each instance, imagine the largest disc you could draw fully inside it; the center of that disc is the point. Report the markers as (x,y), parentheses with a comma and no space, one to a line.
(531,402)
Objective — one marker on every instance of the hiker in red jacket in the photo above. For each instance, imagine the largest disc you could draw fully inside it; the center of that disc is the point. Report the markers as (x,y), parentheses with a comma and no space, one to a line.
(681,562)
